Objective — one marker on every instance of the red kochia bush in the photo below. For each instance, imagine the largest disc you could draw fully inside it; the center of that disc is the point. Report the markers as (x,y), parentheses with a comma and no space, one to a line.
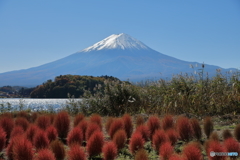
(58,150)
(116,125)
(208,126)
(120,138)
(172,135)
(139,120)
(109,151)
(76,153)
(232,145)
(17,130)
(108,123)
(22,149)
(184,128)
(7,125)
(78,118)
(166,150)
(40,140)
(192,152)
(83,125)
(159,138)
(2,139)
(197,131)
(23,122)
(92,127)
(167,122)
(96,118)
(31,131)
(128,125)
(43,122)
(136,142)
(153,124)
(62,124)
(176,157)
(141,155)
(95,144)
(45,154)
(215,146)
(51,133)
(75,136)
(143,129)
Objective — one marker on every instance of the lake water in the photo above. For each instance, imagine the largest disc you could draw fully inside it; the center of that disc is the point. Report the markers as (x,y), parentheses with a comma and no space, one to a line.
(35,104)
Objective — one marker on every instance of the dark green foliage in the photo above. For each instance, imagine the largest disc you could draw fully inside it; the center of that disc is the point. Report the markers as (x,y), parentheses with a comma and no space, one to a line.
(65,86)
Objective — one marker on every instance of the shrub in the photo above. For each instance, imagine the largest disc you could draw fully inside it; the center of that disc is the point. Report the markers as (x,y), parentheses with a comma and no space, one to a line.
(83,125)
(208,126)
(128,125)
(43,122)
(75,136)
(159,138)
(115,126)
(9,150)
(136,142)
(167,122)
(52,118)
(143,129)
(22,149)
(78,118)
(76,153)
(23,122)
(45,154)
(120,138)
(192,152)
(109,151)
(237,132)
(23,114)
(176,157)
(166,150)
(31,131)
(214,136)
(139,120)
(197,131)
(92,127)
(232,145)
(184,128)
(51,133)
(95,144)
(58,150)
(215,146)
(17,131)
(96,118)
(2,139)
(7,125)
(172,136)
(40,140)
(141,155)
(153,124)
(108,123)
(226,134)
(33,117)
(62,124)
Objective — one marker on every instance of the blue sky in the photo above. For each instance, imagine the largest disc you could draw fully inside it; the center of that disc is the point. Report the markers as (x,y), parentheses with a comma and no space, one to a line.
(36,32)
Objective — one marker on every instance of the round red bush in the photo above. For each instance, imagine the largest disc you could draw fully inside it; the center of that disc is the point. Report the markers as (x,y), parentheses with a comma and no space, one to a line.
(17,131)
(43,122)
(167,122)
(153,124)
(40,140)
(166,150)
(232,145)
(22,149)
(159,138)
(51,133)
(92,127)
(2,139)
(58,150)
(45,154)
(31,131)
(75,136)
(184,128)
(120,138)
(78,118)
(76,153)
(136,142)
(115,126)
(128,125)
(109,151)
(96,118)
(62,124)
(172,136)
(23,122)
(143,129)
(192,152)
(7,125)
(95,144)
(83,125)
(197,131)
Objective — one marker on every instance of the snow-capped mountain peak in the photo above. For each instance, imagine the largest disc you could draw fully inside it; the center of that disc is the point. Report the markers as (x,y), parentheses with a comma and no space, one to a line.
(117,41)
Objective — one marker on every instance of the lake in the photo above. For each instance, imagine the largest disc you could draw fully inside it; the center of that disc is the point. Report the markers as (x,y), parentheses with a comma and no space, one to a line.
(35,104)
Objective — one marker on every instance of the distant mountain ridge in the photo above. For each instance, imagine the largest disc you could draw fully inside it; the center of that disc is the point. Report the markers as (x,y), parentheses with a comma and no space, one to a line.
(118,55)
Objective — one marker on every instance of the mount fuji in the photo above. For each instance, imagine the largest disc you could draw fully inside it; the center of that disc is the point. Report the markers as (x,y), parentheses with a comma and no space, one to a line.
(118,55)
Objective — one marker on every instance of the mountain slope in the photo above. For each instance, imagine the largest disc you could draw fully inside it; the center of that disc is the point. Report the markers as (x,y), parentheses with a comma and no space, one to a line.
(117,55)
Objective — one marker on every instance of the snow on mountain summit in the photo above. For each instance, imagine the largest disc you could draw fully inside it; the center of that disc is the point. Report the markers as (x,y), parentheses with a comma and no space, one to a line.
(117,41)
